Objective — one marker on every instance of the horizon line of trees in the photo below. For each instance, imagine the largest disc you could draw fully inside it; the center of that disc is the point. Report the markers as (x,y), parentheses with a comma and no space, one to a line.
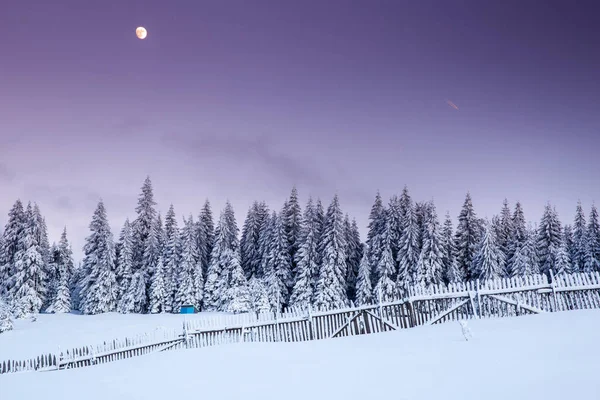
(291,257)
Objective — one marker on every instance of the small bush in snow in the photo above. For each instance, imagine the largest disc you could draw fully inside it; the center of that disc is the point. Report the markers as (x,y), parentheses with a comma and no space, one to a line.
(6,318)
(465,330)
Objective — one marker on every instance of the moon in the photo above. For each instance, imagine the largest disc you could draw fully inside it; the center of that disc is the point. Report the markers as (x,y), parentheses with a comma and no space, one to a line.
(141,32)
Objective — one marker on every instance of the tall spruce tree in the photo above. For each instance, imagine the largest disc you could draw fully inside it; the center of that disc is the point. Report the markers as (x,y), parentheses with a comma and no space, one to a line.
(306,259)
(101,290)
(408,253)
(226,245)
(467,238)
(63,259)
(278,272)
(124,271)
(152,252)
(579,240)
(250,241)
(452,273)
(364,288)
(185,286)
(331,284)
(395,219)
(504,234)
(377,222)
(29,289)
(562,260)
(592,255)
(353,256)
(144,228)
(158,291)
(517,237)
(488,260)
(385,290)
(12,232)
(238,297)
(265,243)
(206,228)
(524,261)
(172,257)
(292,216)
(548,239)
(431,259)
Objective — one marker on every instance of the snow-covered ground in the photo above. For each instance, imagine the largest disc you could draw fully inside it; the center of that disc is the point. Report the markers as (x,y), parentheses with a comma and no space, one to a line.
(550,356)
(45,335)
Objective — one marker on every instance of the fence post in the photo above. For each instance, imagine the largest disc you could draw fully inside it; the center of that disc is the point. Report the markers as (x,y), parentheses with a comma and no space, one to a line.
(379,303)
(553,286)
(478,298)
(310,323)
(185,334)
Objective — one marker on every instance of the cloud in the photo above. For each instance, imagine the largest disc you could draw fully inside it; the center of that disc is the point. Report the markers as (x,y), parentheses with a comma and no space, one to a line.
(261,150)
(62,197)
(6,174)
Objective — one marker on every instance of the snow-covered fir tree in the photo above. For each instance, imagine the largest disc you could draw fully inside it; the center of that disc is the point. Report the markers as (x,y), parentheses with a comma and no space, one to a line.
(548,239)
(364,287)
(517,237)
(524,261)
(10,237)
(172,257)
(237,295)
(250,241)
(100,293)
(592,254)
(29,281)
(395,220)
(467,237)
(385,289)
(158,290)
(61,301)
(291,215)
(408,253)
(259,297)
(421,214)
(353,255)
(135,299)
(206,234)
(579,240)
(225,244)
(189,284)
(152,252)
(307,259)
(278,269)
(42,239)
(431,259)
(331,284)
(568,234)
(562,260)
(6,317)
(265,243)
(452,273)
(377,222)
(144,227)
(504,233)
(124,271)
(488,260)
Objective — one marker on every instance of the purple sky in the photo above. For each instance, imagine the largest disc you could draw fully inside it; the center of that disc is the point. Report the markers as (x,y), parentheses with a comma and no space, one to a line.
(242,99)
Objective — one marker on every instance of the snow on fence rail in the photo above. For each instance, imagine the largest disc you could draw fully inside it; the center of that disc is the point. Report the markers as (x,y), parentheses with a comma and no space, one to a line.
(431,305)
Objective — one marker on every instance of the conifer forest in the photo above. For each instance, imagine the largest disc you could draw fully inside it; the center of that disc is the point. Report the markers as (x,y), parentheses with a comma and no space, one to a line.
(290,256)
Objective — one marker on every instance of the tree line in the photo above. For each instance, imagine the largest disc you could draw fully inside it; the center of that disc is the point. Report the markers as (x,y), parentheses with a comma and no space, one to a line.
(291,257)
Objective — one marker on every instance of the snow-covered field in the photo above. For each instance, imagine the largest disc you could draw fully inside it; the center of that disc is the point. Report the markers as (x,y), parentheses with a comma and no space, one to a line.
(550,356)
(45,335)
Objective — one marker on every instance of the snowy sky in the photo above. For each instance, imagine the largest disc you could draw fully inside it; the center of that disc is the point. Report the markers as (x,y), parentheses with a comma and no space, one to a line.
(242,99)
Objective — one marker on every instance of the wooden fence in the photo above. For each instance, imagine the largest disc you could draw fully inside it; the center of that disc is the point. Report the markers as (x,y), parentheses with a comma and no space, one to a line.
(431,305)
